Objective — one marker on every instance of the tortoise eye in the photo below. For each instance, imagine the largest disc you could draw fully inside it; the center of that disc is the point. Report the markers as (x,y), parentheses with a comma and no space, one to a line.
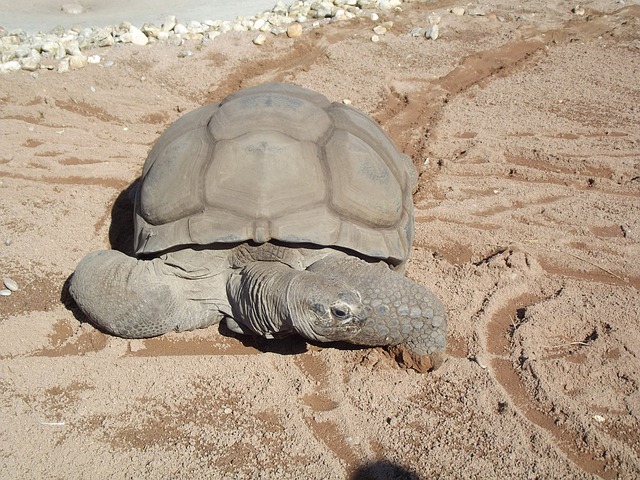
(340,312)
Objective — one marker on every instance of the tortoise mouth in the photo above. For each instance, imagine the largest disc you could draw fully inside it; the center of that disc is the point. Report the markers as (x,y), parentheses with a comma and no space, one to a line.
(328,328)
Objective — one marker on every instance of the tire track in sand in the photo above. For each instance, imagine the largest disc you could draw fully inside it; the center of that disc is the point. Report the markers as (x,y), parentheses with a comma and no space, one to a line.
(411,120)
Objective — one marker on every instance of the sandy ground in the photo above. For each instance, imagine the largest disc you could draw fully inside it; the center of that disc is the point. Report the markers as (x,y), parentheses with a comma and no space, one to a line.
(524,124)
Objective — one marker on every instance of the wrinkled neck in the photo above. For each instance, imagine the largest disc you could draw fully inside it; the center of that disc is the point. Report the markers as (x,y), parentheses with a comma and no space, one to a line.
(258,294)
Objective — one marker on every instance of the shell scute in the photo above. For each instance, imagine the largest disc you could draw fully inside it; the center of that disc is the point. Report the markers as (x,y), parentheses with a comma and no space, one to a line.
(261,174)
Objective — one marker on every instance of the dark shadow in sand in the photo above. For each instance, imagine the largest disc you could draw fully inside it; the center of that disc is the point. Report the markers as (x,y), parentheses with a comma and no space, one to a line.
(384,470)
(121,229)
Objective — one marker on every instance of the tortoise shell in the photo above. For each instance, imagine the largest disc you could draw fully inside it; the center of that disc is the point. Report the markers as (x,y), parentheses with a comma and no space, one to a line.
(276,162)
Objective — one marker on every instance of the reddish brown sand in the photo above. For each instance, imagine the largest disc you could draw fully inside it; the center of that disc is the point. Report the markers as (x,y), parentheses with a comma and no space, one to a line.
(524,125)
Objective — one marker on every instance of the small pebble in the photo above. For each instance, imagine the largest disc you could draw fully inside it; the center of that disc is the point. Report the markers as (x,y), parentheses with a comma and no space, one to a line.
(480,362)
(374,17)
(578,10)
(375,38)
(7,241)
(598,418)
(379,30)
(260,39)
(476,12)
(432,32)
(227,411)
(459,11)
(10,283)
(5,292)
(294,30)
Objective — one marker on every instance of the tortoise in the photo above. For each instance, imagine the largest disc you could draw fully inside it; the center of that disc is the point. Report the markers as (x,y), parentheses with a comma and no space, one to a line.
(277,212)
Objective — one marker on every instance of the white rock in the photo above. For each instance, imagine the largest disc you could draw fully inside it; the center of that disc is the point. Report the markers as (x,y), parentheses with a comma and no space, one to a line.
(259,23)
(93,59)
(22,52)
(476,12)
(5,292)
(107,41)
(7,56)
(175,40)
(10,283)
(432,32)
(195,27)
(137,36)
(50,46)
(294,30)
(150,30)
(375,38)
(78,61)
(434,19)
(239,27)
(169,23)
(63,66)
(324,9)
(71,47)
(374,17)
(180,29)
(11,66)
(32,62)
(379,30)
(260,39)
(459,11)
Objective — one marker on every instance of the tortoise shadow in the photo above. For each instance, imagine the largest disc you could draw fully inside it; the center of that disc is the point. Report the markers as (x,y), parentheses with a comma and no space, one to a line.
(290,345)
(383,470)
(69,303)
(121,231)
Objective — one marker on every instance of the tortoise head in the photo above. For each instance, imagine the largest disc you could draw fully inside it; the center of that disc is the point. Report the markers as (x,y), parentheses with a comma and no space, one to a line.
(324,309)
